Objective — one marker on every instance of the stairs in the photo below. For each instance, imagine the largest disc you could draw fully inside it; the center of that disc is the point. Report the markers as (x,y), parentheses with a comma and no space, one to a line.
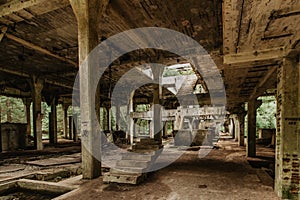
(134,165)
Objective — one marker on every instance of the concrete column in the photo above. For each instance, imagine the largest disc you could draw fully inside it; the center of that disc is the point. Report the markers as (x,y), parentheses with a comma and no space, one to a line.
(165,134)
(241,138)
(157,93)
(74,128)
(232,126)
(53,122)
(103,122)
(88,13)
(236,126)
(65,119)
(118,118)
(37,87)
(0,126)
(130,119)
(287,173)
(253,104)
(70,127)
(27,103)
(108,118)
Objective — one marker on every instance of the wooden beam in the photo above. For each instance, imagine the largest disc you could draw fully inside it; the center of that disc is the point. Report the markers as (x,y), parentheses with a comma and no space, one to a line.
(256,92)
(17,5)
(249,58)
(2,33)
(39,49)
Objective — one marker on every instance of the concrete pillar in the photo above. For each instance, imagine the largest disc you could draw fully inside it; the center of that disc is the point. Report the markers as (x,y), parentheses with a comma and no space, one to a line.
(235,126)
(37,87)
(0,125)
(287,173)
(88,13)
(130,119)
(118,117)
(157,93)
(241,138)
(253,104)
(27,103)
(53,121)
(108,118)
(232,126)
(74,129)
(165,133)
(65,119)
(70,127)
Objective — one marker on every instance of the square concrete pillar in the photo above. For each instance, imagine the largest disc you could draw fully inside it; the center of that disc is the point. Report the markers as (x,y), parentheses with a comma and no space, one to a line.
(253,104)
(241,138)
(36,89)
(118,117)
(27,103)
(65,119)
(70,127)
(130,109)
(287,173)
(88,14)
(53,122)
(157,108)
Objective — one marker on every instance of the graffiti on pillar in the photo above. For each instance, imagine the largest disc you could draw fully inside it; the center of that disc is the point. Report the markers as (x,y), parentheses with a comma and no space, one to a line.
(85,132)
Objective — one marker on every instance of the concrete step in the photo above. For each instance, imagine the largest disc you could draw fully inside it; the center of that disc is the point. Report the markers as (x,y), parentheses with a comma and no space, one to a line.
(133,163)
(140,157)
(127,170)
(124,178)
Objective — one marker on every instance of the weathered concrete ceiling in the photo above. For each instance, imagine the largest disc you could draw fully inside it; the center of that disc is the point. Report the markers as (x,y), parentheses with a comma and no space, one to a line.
(257,36)
(39,37)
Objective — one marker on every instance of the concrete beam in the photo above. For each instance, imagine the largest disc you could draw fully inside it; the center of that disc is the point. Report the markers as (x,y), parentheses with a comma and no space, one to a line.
(286,12)
(2,32)
(17,5)
(231,20)
(22,74)
(250,58)
(13,92)
(39,49)
(257,90)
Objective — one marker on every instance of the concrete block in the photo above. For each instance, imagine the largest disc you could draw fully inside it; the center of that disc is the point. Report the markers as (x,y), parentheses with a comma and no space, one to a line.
(140,157)
(124,178)
(133,163)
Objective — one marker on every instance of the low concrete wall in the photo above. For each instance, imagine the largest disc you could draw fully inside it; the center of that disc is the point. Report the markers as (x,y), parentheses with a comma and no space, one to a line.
(13,136)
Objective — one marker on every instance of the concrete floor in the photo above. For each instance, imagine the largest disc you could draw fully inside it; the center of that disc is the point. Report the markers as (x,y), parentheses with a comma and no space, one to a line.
(223,174)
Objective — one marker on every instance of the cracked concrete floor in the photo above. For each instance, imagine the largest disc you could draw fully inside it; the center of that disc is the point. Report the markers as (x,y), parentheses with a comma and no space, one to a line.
(223,174)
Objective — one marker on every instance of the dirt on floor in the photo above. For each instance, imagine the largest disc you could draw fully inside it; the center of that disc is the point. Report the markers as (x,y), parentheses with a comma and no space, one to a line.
(223,174)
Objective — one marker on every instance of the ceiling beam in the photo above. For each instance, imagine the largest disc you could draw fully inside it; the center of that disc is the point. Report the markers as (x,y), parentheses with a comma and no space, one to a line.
(13,92)
(17,5)
(286,12)
(22,74)
(231,20)
(257,90)
(39,49)
(250,58)
(2,33)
